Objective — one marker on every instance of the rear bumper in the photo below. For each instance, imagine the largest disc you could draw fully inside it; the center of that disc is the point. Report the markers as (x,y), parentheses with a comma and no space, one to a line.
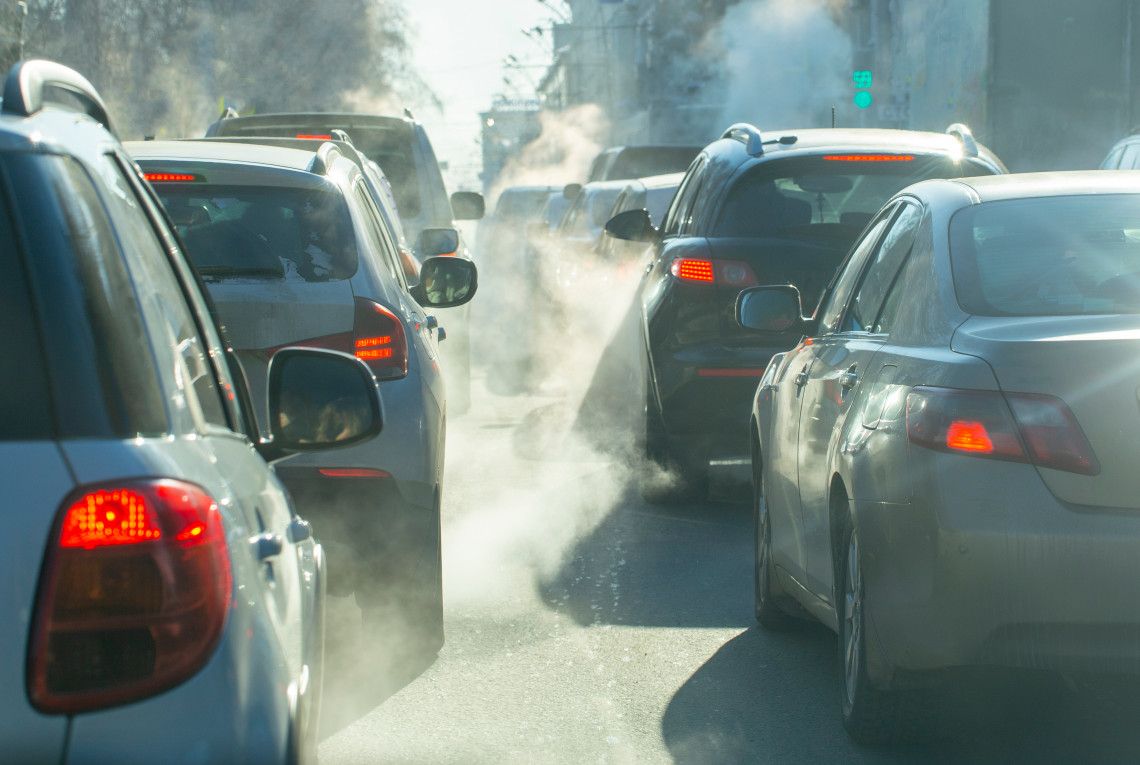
(986,567)
(706,399)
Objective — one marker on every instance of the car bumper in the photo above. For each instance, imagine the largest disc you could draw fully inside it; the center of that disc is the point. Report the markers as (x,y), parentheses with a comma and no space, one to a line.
(985,567)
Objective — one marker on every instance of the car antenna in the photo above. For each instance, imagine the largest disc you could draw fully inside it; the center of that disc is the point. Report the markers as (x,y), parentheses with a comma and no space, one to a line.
(408,113)
(833,117)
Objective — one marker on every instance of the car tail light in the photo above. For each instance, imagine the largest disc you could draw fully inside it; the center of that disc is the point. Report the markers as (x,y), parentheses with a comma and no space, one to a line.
(312,137)
(173,177)
(133,597)
(1018,427)
(379,339)
(869,157)
(730,273)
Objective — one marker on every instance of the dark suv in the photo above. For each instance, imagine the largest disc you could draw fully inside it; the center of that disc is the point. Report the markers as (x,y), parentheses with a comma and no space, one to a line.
(782,207)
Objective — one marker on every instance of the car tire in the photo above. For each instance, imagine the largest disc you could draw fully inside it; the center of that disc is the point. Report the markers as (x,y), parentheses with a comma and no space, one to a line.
(768,606)
(662,481)
(871,716)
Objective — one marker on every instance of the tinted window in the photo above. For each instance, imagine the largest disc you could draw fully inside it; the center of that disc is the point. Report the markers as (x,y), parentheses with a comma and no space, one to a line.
(96,334)
(835,300)
(881,273)
(295,234)
(25,408)
(683,201)
(377,235)
(815,199)
(1054,256)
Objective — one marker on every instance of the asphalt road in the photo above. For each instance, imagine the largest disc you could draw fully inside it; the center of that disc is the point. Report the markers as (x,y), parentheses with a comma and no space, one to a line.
(584,626)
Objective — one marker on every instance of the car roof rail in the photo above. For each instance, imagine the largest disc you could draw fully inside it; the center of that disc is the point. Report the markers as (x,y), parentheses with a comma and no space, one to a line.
(965,137)
(33,84)
(324,158)
(747,134)
(340,135)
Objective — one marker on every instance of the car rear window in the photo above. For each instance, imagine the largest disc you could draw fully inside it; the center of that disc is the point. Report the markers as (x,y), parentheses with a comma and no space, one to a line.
(257,232)
(1048,257)
(808,198)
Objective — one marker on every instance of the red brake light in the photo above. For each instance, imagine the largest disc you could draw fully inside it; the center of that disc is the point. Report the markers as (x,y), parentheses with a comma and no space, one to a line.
(121,617)
(969,437)
(379,340)
(108,518)
(316,137)
(688,270)
(869,157)
(172,177)
(731,273)
(1018,427)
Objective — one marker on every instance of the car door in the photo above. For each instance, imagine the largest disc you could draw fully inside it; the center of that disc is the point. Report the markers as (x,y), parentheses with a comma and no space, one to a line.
(840,358)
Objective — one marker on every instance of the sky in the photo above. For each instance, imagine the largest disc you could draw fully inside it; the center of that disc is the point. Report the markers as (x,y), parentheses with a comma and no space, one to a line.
(459,50)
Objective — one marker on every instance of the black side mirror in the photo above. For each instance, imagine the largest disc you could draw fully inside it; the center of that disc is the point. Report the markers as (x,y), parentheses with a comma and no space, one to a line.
(632,226)
(769,309)
(319,399)
(468,205)
(571,190)
(437,241)
(446,282)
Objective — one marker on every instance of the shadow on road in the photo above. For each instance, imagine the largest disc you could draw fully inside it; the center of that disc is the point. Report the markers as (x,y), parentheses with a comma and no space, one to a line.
(774,697)
(679,566)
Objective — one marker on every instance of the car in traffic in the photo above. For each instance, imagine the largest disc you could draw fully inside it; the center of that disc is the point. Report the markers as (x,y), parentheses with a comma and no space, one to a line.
(944,464)
(401,147)
(294,252)
(651,194)
(1124,154)
(778,207)
(619,163)
(156,563)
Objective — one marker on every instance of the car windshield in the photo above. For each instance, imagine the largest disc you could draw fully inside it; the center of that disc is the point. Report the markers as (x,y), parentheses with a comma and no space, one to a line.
(1048,257)
(248,231)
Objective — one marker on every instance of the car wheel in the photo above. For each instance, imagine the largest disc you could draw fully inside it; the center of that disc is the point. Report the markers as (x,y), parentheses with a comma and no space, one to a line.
(768,610)
(870,715)
(662,481)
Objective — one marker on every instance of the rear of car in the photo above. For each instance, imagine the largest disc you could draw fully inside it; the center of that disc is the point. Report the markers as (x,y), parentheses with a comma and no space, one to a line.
(293,253)
(621,163)
(1034,478)
(131,482)
(761,209)
(401,147)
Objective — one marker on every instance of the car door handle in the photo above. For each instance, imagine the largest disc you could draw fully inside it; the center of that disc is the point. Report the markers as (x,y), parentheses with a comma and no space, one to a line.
(268,545)
(801,379)
(299,530)
(431,322)
(440,335)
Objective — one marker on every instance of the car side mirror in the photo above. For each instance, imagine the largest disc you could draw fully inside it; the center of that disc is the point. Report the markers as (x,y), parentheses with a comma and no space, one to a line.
(468,205)
(437,241)
(769,309)
(319,399)
(632,226)
(571,190)
(446,282)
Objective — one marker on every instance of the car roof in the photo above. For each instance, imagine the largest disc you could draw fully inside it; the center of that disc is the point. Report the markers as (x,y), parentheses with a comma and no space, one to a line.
(660,181)
(221,151)
(815,139)
(319,119)
(993,188)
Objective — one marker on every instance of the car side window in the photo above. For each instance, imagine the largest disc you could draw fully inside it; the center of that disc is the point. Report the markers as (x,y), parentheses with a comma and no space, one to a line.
(683,201)
(377,236)
(881,272)
(835,299)
(188,377)
(1112,160)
